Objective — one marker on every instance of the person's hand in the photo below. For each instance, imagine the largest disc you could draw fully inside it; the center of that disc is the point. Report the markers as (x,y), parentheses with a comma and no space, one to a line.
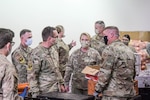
(62,88)
(23,94)
(67,88)
(98,96)
(73,43)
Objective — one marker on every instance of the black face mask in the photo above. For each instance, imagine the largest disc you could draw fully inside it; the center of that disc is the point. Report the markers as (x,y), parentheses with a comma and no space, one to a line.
(105,39)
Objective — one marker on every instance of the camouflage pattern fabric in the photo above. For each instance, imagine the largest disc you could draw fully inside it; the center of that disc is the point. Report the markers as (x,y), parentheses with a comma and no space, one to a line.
(117,72)
(97,42)
(77,62)
(63,51)
(44,76)
(20,59)
(8,80)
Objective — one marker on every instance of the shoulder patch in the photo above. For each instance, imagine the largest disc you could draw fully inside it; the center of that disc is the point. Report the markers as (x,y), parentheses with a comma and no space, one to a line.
(20,58)
(29,65)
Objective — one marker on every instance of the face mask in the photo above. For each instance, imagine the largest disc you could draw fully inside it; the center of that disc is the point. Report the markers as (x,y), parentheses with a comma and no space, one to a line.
(105,39)
(126,42)
(28,42)
(96,31)
(85,44)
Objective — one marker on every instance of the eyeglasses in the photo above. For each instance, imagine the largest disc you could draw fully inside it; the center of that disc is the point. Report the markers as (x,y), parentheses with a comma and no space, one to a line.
(55,37)
(12,43)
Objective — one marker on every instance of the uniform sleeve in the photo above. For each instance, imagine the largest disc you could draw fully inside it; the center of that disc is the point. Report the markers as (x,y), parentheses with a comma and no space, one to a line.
(20,63)
(69,70)
(9,83)
(98,58)
(33,74)
(105,71)
(70,46)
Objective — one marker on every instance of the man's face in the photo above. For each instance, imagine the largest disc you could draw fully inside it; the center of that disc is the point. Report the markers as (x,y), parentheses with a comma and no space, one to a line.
(98,28)
(108,34)
(125,40)
(9,47)
(26,36)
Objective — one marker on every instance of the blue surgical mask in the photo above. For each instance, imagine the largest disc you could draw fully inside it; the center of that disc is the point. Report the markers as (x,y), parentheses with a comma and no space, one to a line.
(28,42)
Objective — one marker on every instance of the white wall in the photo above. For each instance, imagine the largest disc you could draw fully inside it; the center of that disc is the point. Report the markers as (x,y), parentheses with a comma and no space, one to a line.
(76,16)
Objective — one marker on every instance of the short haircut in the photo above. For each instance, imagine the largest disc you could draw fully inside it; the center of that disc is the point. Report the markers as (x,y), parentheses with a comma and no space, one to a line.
(100,22)
(6,35)
(59,28)
(114,28)
(47,31)
(86,34)
(127,36)
(24,31)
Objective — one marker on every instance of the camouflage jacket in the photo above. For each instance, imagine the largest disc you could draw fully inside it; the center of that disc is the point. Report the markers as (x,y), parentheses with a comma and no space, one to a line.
(117,71)
(63,52)
(97,42)
(44,75)
(8,80)
(20,59)
(77,62)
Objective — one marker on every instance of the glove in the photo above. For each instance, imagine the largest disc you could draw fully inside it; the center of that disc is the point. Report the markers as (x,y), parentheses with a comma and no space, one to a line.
(23,94)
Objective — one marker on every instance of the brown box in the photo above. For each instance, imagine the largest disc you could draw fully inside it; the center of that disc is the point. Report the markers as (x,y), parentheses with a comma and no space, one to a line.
(136,87)
(91,70)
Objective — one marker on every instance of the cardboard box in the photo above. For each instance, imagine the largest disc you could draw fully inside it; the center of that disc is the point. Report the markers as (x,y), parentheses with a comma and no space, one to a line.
(91,74)
(91,70)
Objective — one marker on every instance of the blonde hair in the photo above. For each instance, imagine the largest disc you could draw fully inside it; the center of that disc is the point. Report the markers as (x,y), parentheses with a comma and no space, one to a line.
(59,28)
(86,34)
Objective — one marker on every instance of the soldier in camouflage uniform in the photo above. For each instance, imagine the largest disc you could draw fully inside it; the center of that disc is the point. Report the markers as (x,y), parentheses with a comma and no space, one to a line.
(44,75)
(78,60)
(126,40)
(8,75)
(20,56)
(63,49)
(97,41)
(117,71)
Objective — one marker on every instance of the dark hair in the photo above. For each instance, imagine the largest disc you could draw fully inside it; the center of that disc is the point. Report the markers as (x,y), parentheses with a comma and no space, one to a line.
(47,31)
(6,35)
(24,31)
(127,36)
(100,22)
